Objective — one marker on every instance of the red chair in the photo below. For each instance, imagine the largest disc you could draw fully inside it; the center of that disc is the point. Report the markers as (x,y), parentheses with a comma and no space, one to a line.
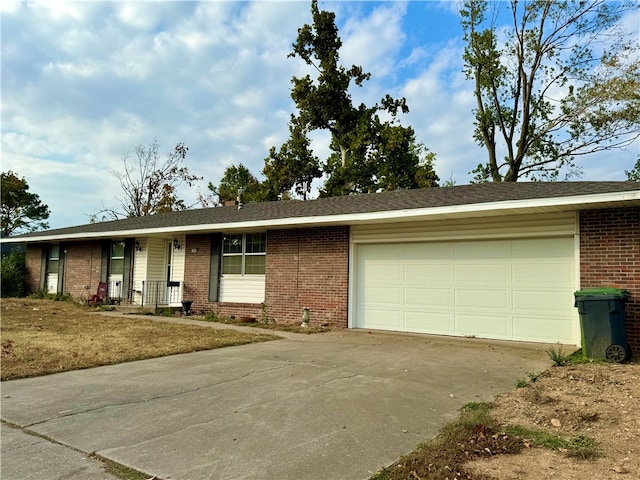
(100,295)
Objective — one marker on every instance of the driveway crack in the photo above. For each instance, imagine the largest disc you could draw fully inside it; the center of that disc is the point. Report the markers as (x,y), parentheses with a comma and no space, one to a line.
(158,397)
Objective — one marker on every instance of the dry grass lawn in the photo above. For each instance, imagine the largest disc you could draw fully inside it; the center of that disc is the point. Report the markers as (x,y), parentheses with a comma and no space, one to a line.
(41,337)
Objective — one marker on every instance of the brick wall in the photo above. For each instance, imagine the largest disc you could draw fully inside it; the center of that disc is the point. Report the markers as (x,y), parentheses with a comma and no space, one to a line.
(82,269)
(308,268)
(33,265)
(304,268)
(610,256)
(196,272)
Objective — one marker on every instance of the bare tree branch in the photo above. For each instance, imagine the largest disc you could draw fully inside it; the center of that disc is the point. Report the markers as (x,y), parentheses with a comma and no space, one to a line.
(149,183)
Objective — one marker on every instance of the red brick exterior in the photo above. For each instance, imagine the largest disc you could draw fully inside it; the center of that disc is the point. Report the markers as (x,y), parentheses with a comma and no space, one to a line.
(308,268)
(82,269)
(33,265)
(304,268)
(196,272)
(610,256)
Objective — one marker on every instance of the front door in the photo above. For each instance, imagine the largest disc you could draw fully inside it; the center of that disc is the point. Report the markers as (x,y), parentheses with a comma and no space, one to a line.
(169,285)
(169,257)
(116,270)
(53,265)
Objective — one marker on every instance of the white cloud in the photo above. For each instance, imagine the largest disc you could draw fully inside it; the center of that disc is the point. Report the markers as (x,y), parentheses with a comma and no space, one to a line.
(442,105)
(62,11)
(85,82)
(374,40)
(449,6)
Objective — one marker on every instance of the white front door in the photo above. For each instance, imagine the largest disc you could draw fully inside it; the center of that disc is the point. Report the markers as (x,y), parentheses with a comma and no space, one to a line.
(116,270)
(53,265)
(169,259)
(52,283)
(173,284)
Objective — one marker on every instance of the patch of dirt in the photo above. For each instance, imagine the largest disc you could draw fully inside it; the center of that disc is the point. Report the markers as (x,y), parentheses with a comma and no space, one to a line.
(600,401)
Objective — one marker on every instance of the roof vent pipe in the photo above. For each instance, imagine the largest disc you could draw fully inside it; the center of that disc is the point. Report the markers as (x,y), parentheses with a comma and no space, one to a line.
(240,200)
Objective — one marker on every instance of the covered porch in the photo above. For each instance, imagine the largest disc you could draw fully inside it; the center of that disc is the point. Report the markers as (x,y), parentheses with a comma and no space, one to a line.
(146,272)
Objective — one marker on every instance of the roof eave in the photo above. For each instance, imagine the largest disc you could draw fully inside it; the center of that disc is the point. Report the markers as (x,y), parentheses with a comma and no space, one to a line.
(511,207)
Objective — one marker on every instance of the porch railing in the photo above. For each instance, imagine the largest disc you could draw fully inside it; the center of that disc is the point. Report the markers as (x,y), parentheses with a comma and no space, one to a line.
(161,292)
(115,291)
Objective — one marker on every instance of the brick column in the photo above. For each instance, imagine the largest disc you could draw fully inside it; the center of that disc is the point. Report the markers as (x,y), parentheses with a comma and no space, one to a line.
(308,268)
(33,263)
(196,271)
(610,256)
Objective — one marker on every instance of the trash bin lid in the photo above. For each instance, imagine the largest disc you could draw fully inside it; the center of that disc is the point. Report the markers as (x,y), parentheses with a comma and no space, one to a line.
(603,291)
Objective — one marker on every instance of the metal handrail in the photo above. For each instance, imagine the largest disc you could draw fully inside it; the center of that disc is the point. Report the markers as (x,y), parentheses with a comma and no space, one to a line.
(161,292)
(114,291)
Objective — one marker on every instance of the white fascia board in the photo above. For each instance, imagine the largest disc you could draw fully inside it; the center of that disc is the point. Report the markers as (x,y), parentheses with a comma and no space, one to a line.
(390,216)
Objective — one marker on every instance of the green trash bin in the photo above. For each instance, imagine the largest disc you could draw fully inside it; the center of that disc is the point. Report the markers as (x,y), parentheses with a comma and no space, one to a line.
(602,323)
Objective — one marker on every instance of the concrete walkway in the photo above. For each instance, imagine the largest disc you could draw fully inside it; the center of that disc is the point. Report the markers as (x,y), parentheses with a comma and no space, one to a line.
(339,405)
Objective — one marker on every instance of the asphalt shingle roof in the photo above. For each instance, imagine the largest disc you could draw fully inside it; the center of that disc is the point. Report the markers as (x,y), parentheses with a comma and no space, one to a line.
(365,203)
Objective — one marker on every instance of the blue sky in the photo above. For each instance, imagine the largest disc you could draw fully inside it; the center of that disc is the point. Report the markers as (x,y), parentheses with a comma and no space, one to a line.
(85,82)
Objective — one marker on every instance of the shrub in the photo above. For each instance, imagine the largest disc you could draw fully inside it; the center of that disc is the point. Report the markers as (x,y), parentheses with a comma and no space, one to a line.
(42,294)
(13,274)
(557,356)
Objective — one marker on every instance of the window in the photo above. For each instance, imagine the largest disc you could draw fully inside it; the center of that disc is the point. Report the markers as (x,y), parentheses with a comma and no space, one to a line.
(244,254)
(117,258)
(54,259)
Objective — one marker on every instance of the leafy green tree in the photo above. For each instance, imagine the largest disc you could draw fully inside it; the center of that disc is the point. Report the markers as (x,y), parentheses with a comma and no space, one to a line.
(392,160)
(365,154)
(634,174)
(236,178)
(294,165)
(22,211)
(149,183)
(546,96)
(13,271)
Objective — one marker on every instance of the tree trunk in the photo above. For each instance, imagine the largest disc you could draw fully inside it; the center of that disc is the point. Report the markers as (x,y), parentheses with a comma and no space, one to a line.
(343,155)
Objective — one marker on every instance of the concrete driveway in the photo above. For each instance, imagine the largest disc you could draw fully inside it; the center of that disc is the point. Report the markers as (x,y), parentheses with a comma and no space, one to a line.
(339,405)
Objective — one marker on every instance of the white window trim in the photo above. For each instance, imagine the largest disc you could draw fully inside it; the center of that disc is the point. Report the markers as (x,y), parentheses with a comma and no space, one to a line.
(243,254)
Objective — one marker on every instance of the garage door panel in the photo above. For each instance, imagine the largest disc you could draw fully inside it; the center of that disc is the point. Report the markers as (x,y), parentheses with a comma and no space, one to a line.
(542,248)
(429,297)
(385,319)
(480,298)
(374,272)
(376,296)
(552,274)
(494,325)
(489,273)
(483,250)
(381,252)
(431,273)
(422,251)
(545,329)
(441,323)
(541,300)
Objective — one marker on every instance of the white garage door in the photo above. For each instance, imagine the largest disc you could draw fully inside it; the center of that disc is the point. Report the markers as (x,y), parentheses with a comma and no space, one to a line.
(505,289)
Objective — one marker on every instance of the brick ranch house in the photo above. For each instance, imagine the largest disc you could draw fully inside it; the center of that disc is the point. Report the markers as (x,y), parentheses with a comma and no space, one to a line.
(491,260)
